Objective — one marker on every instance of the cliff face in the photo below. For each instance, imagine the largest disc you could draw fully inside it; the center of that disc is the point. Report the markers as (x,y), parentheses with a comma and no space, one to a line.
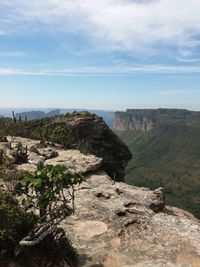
(146,119)
(126,121)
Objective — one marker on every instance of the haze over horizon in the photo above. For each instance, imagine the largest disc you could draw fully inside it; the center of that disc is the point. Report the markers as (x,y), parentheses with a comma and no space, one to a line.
(109,55)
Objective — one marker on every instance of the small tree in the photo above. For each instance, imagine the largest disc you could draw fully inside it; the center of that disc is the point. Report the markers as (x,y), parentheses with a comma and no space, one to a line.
(51,191)
(45,190)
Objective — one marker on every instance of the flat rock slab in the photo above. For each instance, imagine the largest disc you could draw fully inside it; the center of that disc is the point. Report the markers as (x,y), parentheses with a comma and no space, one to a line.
(27,167)
(75,160)
(71,158)
(115,226)
(25,141)
(88,230)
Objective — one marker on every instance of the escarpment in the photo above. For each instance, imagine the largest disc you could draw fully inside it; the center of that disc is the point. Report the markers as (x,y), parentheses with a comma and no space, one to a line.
(147,119)
(133,120)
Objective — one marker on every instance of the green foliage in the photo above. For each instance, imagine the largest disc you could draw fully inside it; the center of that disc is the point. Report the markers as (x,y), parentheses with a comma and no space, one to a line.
(45,188)
(10,176)
(63,136)
(15,223)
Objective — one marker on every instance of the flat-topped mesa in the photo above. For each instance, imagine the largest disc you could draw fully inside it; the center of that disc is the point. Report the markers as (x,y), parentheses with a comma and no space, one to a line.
(86,132)
(147,119)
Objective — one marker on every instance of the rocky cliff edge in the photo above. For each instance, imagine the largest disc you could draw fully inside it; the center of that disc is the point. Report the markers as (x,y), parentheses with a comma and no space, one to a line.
(118,225)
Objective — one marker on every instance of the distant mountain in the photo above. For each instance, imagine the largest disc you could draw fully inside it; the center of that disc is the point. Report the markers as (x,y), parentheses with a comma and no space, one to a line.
(43,113)
(34,115)
(165,144)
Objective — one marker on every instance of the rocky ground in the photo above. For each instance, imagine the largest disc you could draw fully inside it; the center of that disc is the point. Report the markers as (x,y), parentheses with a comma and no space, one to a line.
(71,158)
(115,224)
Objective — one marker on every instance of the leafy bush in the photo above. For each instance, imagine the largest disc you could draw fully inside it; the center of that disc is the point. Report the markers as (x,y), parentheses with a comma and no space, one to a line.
(44,189)
(63,136)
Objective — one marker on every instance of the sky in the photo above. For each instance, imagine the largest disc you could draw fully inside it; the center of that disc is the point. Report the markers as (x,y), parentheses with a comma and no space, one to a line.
(108,54)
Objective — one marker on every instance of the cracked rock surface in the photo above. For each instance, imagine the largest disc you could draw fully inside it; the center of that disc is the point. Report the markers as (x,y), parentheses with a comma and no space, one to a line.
(71,158)
(118,225)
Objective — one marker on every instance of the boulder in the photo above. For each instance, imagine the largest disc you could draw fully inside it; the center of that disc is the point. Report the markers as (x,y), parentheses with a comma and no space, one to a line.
(47,153)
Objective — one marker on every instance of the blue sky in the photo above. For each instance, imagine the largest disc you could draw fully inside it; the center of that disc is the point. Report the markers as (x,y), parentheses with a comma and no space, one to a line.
(110,54)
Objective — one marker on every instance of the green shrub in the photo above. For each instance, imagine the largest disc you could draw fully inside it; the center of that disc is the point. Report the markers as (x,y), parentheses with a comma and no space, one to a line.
(49,183)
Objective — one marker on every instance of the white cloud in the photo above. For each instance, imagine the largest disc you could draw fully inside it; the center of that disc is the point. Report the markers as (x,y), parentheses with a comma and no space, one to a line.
(188,60)
(112,24)
(6,71)
(176,92)
(90,71)
(13,54)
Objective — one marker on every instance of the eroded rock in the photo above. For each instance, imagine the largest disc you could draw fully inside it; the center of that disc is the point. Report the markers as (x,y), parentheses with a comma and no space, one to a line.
(36,152)
(76,161)
(158,200)
(138,237)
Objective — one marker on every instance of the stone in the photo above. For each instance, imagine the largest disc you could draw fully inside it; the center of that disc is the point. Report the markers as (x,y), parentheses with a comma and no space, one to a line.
(76,161)
(88,230)
(158,200)
(14,140)
(27,167)
(47,153)
(33,158)
(71,158)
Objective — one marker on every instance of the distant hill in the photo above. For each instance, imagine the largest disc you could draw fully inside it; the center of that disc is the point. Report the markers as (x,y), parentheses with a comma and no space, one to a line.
(35,115)
(44,113)
(165,144)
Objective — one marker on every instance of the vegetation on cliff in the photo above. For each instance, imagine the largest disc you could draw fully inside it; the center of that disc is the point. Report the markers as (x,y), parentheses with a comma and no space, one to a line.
(168,156)
(23,234)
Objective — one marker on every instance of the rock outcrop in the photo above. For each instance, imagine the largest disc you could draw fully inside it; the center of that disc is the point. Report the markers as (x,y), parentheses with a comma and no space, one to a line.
(71,158)
(86,132)
(117,225)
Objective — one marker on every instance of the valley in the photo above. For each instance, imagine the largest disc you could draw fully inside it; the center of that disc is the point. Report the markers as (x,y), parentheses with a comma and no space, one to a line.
(166,155)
